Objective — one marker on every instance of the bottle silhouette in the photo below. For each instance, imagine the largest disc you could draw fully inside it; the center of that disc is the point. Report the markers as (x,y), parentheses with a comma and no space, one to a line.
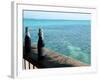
(27,41)
(40,45)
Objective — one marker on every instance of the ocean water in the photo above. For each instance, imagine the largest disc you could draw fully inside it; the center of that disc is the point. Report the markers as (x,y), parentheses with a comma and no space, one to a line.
(68,37)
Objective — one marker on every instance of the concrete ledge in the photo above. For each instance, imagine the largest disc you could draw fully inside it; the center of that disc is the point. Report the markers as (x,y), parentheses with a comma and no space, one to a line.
(51,59)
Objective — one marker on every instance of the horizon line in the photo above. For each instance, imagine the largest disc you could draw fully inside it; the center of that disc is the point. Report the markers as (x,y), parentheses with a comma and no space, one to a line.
(58,19)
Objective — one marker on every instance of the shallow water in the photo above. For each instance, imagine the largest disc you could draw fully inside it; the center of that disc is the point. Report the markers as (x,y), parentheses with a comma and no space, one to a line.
(68,37)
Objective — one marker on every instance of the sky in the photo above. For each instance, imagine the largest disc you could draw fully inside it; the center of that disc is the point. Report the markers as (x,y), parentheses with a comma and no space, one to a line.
(56,15)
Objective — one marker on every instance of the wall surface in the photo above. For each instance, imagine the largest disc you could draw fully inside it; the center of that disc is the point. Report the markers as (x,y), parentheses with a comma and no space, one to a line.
(5,38)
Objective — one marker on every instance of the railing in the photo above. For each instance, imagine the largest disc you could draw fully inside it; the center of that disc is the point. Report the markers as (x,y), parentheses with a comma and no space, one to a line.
(28,65)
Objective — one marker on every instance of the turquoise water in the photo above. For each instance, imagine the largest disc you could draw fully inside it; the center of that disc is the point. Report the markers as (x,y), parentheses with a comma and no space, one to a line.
(68,37)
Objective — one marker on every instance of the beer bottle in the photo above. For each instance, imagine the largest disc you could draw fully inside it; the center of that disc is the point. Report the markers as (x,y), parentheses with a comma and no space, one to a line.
(27,41)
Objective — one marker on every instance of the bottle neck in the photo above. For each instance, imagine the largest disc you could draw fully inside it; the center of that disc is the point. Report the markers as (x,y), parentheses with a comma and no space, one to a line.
(41,34)
(27,32)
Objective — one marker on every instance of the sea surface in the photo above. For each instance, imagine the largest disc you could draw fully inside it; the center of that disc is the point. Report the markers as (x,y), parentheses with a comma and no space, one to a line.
(67,37)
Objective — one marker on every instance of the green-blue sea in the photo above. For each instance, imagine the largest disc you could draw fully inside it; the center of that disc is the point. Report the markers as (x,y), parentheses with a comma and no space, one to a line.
(68,37)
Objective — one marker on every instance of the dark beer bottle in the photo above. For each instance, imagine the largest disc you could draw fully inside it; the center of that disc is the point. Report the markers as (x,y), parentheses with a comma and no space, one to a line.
(27,41)
(40,45)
